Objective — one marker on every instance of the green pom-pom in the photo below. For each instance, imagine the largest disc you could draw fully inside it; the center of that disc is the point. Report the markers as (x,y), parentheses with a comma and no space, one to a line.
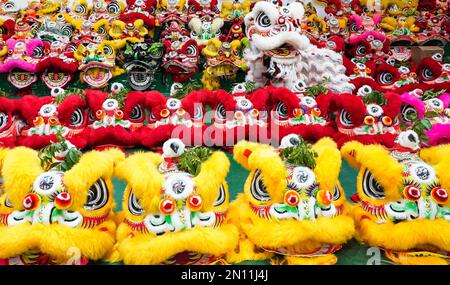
(191,160)
(301,154)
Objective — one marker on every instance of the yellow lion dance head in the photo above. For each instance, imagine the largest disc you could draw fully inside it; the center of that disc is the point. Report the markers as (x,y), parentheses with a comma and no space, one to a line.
(175,215)
(55,215)
(293,208)
(402,201)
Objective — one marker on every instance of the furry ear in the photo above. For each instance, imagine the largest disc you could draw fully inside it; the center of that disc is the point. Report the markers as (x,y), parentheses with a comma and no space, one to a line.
(236,45)
(297,10)
(115,44)
(212,47)
(139,24)
(439,157)
(243,149)
(101,23)
(387,171)
(212,174)
(117,28)
(217,23)
(350,151)
(435,154)
(92,166)
(141,174)
(265,158)
(21,166)
(3,152)
(80,52)
(195,25)
(328,163)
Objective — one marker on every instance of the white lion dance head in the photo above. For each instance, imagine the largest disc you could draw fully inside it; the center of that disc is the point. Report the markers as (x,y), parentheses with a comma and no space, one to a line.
(280,55)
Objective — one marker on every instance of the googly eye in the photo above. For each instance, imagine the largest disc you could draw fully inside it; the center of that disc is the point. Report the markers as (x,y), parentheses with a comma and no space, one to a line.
(423,173)
(173,104)
(57,91)
(110,104)
(385,78)
(221,197)
(220,112)
(403,70)
(336,193)
(38,52)
(345,119)
(4,119)
(47,183)
(364,90)
(47,110)
(108,50)
(374,110)
(80,9)
(137,114)
(361,51)
(113,8)
(257,188)
(371,187)
(308,101)
(281,110)
(178,186)
(98,196)
(435,103)
(437,57)
(77,118)
(263,20)
(191,51)
(66,30)
(377,43)
(134,206)
(244,104)
(427,74)
(303,177)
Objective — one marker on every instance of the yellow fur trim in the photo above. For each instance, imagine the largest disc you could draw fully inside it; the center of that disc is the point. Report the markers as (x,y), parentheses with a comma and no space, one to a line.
(266,233)
(328,163)
(212,47)
(147,249)
(245,250)
(267,160)
(92,166)
(140,172)
(212,174)
(56,240)
(100,23)
(387,171)
(21,166)
(329,259)
(435,154)
(406,235)
(241,148)
(349,151)
(405,259)
(3,152)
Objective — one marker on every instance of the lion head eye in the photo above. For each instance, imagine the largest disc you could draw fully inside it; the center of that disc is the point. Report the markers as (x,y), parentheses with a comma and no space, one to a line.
(257,187)
(98,196)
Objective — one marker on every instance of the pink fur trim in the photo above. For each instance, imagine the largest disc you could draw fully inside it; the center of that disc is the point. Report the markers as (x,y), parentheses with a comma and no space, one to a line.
(377,18)
(19,64)
(415,102)
(445,99)
(32,44)
(376,35)
(440,133)
(357,19)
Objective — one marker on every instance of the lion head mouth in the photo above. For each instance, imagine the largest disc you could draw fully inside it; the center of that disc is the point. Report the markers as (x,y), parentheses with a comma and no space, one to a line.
(54,79)
(140,75)
(21,79)
(97,75)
